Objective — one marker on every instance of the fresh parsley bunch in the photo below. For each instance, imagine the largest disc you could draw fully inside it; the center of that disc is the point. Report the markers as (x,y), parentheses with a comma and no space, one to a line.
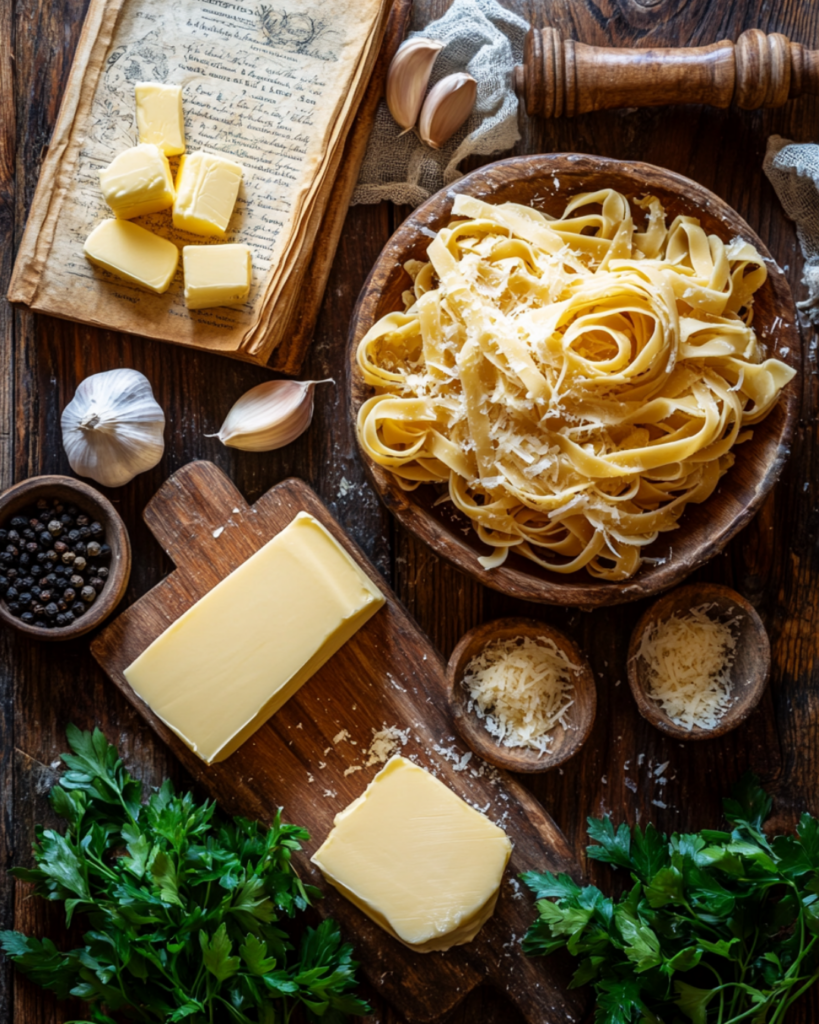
(718,927)
(189,913)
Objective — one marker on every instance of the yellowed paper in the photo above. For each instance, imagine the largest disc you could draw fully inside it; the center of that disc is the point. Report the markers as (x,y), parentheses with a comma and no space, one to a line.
(275,86)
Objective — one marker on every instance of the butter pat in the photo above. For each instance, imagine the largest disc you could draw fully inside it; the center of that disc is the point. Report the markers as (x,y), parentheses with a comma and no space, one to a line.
(216,275)
(417,859)
(137,182)
(133,253)
(206,189)
(159,116)
(230,662)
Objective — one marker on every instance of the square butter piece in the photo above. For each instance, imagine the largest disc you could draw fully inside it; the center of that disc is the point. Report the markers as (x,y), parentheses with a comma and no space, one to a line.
(138,181)
(216,275)
(159,116)
(416,858)
(133,253)
(207,185)
(230,662)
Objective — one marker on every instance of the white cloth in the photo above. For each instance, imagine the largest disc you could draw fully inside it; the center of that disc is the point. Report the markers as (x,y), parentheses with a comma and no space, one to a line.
(793,170)
(485,40)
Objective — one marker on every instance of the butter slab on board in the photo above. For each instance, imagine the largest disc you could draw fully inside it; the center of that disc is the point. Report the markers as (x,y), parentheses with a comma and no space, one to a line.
(388,674)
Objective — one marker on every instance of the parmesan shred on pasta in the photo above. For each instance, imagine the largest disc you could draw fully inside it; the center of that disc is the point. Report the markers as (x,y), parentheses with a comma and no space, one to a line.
(689,661)
(521,688)
(570,384)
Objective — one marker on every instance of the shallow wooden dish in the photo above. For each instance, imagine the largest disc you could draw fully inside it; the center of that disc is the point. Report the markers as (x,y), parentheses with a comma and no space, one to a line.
(89,500)
(547,181)
(750,672)
(566,742)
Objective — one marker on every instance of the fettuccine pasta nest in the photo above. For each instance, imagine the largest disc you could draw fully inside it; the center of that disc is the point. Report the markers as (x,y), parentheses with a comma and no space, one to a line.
(574,383)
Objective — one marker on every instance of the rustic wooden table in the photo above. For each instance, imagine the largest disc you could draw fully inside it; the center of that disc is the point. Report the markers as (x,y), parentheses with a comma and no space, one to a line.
(775,562)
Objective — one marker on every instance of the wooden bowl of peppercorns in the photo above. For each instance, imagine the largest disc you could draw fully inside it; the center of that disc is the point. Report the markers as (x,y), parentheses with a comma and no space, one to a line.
(65,557)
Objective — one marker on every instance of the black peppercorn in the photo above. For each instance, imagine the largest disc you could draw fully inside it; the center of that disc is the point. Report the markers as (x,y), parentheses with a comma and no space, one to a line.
(18,522)
(55,527)
(76,581)
(4,585)
(11,594)
(45,517)
(88,594)
(66,519)
(60,547)
(60,620)
(69,617)
(38,527)
(4,536)
(45,540)
(37,608)
(72,536)
(41,624)
(78,608)
(12,550)
(51,610)
(6,558)
(52,556)
(79,548)
(83,519)
(28,618)
(25,599)
(96,529)
(84,532)
(32,547)
(68,557)
(11,574)
(79,563)
(97,583)
(28,534)
(69,594)
(13,607)
(105,551)
(63,606)
(93,549)
(36,591)
(45,595)
(24,560)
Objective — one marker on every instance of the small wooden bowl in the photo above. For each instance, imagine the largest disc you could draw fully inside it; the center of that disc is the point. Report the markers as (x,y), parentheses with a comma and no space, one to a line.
(74,492)
(565,743)
(750,671)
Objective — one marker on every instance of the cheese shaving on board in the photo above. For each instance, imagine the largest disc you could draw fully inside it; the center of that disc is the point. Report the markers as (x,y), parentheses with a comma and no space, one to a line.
(521,688)
(689,661)
(573,383)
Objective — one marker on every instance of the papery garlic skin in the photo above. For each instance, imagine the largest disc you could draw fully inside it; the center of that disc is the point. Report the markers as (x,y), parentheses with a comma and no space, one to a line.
(408,76)
(270,415)
(448,105)
(113,427)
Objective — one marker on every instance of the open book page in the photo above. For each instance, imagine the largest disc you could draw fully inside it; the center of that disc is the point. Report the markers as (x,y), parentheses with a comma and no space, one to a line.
(272,85)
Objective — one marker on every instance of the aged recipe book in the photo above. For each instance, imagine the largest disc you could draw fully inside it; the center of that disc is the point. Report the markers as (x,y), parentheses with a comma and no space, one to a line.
(274,86)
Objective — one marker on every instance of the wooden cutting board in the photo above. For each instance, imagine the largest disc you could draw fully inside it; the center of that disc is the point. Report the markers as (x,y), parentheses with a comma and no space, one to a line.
(389,674)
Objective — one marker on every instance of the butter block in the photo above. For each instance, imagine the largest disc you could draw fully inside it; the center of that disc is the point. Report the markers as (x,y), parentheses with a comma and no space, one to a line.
(137,182)
(159,116)
(207,185)
(224,667)
(416,858)
(133,253)
(216,275)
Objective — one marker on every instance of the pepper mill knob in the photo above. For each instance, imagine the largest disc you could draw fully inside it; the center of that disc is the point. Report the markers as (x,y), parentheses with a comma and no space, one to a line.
(563,77)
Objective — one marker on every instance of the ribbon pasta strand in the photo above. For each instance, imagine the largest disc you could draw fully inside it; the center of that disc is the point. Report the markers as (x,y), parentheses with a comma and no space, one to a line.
(573,383)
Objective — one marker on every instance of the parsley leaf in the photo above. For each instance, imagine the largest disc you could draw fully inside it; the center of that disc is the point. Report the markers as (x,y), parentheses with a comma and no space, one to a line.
(734,913)
(190,915)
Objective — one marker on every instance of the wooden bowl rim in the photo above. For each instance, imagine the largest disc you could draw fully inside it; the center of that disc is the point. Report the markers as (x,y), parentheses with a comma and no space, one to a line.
(518,759)
(26,491)
(578,589)
(700,593)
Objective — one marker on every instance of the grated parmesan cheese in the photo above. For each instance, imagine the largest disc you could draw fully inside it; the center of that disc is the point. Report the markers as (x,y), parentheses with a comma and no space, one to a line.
(521,688)
(689,659)
(385,743)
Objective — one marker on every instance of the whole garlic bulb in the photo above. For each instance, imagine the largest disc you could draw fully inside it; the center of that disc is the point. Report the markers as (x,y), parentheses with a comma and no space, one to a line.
(113,427)
(270,415)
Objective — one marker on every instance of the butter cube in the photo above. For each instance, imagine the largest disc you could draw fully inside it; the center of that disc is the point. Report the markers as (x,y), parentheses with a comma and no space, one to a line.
(138,181)
(133,253)
(416,858)
(216,275)
(224,667)
(159,116)
(207,185)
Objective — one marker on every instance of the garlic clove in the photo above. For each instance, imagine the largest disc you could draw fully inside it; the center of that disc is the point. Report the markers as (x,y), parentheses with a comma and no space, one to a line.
(113,428)
(407,78)
(270,415)
(445,109)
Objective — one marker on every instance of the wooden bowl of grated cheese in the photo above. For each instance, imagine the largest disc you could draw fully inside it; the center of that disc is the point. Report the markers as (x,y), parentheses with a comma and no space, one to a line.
(699,661)
(522,695)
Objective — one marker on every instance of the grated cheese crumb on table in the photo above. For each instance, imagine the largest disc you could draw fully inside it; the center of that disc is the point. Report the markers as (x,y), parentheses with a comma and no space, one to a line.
(689,661)
(521,688)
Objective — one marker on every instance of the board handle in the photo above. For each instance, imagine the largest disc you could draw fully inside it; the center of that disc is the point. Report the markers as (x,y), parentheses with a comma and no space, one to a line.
(190,507)
(561,77)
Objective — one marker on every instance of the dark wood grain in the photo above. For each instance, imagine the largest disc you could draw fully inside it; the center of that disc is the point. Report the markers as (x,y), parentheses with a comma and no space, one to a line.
(774,562)
(750,671)
(387,674)
(704,529)
(565,742)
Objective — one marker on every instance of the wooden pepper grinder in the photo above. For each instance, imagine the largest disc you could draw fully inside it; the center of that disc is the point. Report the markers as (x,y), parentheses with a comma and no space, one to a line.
(563,77)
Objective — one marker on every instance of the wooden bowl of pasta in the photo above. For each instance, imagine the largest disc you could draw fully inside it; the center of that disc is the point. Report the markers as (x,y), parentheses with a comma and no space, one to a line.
(575,406)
